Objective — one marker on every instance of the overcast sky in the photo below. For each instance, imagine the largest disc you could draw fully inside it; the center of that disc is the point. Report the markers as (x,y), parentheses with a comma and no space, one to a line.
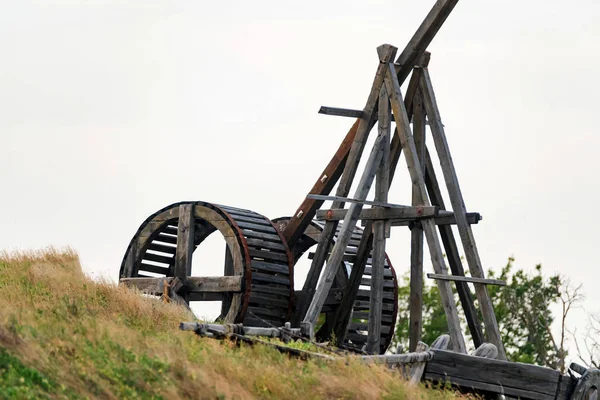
(111,110)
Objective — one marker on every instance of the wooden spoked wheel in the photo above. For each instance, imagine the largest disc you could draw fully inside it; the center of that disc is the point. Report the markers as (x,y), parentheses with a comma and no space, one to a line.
(357,332)
(257,284)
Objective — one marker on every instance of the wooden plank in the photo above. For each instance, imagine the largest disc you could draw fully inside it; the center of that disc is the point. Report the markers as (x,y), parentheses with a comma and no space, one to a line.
(381,195)
(416,234)
(458,205)
(515,379)
(470,279)
(149,285)
(453,255)
(364,126)
(417,369)
(341,112)
(153,268)
(213,284)
(185,242)
(358,201)
(443,218)
(435,249)
(405,212)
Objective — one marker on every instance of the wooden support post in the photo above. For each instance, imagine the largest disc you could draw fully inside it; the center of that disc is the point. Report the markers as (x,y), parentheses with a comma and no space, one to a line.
(379,229)
(416,234)
(460,211)
(435,249)
(386,54)
(364,249)
(185,242)
(453,255)
(365,125)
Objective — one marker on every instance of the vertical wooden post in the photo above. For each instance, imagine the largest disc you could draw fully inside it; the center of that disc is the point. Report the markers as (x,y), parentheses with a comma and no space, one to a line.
(416,234)
(435,249)
(379,229)
(185,242)
(386,54)
(365,125)
(460,211)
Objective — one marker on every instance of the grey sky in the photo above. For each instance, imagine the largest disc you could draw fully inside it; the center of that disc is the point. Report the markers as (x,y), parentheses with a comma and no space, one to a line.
(110,111)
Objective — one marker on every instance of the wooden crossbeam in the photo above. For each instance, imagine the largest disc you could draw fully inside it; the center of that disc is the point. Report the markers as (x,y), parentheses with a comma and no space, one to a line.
(470,279)
(458,205)
(406,212)
(444,218)
(435,249)
(351,200)
(346,112)
(196,285)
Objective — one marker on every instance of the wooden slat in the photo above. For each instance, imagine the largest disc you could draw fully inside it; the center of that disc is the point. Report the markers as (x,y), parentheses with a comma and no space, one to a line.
(265,244)
(271,267)
(470,279)
(161,237)
(153,268)
(268,255)
(405,212)
(158,258)
(162,248)
(341,112)
(435,249)
(458,205)
(255,227)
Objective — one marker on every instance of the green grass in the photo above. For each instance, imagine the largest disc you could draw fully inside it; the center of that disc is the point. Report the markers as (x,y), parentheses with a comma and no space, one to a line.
(64,336)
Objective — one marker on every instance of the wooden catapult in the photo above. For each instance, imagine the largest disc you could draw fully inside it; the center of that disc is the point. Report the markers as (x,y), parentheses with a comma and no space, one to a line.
(350,292)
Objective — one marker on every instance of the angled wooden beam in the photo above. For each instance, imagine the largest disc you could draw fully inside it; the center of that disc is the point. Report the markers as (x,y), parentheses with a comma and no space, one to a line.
(408,213)
(416,234)
(364,126)
(346,112)
(435,250)
(382,185)
(453,254)
(458,205)
(455,278)
(351,200)
(443,218)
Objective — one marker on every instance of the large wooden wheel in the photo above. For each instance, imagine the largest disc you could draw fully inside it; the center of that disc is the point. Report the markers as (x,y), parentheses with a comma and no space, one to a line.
(257,284)
(357,331)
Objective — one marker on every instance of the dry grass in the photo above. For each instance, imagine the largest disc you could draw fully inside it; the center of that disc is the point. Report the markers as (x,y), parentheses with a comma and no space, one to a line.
(63,335)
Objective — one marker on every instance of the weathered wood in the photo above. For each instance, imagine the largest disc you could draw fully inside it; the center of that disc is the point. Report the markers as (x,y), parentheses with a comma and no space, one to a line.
(341,112)
(381,195)
(365,125)
(588,386)
(152,286)
(341,199)
(406,358)
(470,279)
(502,377)
(214,284)
(185,241)
(443,218)
(458,205)
(408,58)
(364,250)
(435,249)
(453,255)
(416,234)
(417,369)
(423,36)
(442,342)
(406,212)
(486,350)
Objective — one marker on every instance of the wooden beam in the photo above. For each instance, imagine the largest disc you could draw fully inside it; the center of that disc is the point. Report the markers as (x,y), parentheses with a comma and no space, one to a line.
(152,286)
(444,218)
(435,249)
(416,234)
(382,185)
(452,253)
(185,242)
(364,126)
(351,200)
(346,112)
(422,37)
(214,284)
(470,279)
(386,53)
(458,205)
(406,212)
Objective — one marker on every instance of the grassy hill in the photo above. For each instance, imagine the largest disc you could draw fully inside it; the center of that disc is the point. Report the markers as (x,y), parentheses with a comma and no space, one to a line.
(63,335)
